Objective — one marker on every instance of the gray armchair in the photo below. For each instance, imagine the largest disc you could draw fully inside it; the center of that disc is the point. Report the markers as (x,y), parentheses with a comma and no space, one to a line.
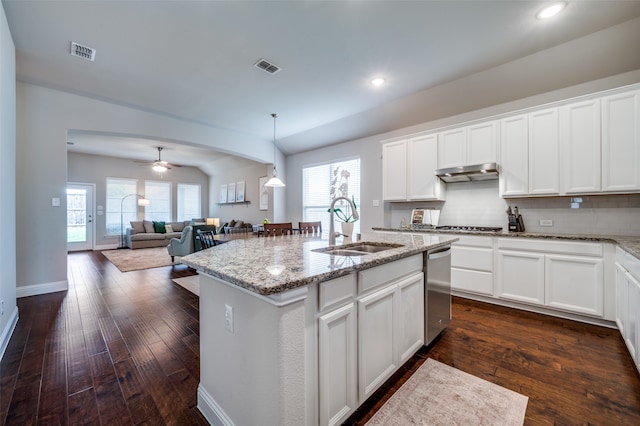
(182,246)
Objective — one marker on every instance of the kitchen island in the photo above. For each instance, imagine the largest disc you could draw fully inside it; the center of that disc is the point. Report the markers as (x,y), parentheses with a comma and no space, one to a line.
(290,335)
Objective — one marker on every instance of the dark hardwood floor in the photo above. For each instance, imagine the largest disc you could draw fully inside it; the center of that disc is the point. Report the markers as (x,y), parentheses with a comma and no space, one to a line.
(123,348)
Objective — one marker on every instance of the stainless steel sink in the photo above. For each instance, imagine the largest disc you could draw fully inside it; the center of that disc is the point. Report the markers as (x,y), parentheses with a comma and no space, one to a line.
(358,249)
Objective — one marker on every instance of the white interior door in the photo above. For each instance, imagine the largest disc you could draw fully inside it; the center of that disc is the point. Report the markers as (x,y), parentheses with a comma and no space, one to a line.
(80,224)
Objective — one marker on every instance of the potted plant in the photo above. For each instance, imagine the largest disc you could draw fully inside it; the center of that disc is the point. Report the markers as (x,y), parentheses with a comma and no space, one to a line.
(346,220)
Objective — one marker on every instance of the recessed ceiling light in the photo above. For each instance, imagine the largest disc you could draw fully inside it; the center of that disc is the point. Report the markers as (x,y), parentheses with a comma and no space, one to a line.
(377,82)
(551,10)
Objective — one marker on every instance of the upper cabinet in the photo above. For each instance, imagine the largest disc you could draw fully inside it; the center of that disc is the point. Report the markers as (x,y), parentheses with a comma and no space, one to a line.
(514,156)
(544,174)
(621,142)
(408,170)
(581,147)
(475,144)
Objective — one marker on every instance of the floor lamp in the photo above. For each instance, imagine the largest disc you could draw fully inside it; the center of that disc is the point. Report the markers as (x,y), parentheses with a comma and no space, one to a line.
(141,202)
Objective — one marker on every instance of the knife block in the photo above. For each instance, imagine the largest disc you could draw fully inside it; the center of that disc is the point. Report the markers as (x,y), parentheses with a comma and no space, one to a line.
(516,223)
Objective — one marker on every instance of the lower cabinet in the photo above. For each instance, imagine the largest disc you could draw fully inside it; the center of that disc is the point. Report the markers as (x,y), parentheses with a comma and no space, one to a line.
(627,302)
(472,265)
(390,331)
(567,276)
(337,364)
(365,335)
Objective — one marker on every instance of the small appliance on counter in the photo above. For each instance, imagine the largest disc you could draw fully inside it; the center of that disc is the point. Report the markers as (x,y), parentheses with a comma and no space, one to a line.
(516,222)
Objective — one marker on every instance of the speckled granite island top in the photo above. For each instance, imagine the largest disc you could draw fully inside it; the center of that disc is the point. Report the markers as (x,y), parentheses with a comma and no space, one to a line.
(275,264)
(630,244)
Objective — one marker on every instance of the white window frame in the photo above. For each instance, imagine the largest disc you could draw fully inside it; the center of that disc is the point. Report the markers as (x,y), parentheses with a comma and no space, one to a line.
(182,189)
(116,209)
(159,208)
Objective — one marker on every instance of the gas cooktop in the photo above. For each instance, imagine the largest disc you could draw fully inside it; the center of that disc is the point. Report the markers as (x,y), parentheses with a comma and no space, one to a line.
(469,228)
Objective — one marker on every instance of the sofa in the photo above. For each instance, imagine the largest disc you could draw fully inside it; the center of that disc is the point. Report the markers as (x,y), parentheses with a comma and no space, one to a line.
(146,233)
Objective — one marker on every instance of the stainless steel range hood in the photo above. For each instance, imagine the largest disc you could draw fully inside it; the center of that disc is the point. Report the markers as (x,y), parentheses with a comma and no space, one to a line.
(477,172)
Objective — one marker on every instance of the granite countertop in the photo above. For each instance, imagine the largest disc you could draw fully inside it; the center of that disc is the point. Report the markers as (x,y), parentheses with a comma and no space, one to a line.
(630,244)
(275,264)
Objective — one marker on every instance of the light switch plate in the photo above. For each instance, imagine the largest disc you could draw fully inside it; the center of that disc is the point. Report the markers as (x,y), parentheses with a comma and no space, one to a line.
(55,202)
(376,203)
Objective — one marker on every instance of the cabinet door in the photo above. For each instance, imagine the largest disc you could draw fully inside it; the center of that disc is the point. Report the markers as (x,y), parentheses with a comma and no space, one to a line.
(410,316)
(521,276)
(581,147)
(621,299)
(377,354)
(633,315)
(514,167)
(482,143)
(451,148)
(337,363)
(621,142)
(575,283)
(544,172)
(422,161)
(394,171)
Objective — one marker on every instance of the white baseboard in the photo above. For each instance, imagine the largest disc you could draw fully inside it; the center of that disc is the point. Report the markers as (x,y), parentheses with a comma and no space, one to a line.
(8,331)
(210,409)
(36,289)
(107,247)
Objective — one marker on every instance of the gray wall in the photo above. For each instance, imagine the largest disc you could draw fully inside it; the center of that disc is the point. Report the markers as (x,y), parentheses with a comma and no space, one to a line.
(7,182)
(85,168)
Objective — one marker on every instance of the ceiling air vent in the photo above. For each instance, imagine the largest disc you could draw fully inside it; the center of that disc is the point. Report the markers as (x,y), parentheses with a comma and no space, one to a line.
(267,66)
(84,52)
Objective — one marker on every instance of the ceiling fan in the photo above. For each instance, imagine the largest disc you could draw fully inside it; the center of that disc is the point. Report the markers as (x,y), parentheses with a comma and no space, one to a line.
(159,165)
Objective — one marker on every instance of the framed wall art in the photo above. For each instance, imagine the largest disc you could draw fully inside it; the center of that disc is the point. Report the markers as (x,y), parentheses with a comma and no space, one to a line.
(240,192)
(223,194)
(231,192)
(264,193)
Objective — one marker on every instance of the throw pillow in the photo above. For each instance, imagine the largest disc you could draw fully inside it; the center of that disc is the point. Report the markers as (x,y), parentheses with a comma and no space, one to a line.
(168,229)
(232,223)
(137,226)
(148,226)
(177,226)
(158,227)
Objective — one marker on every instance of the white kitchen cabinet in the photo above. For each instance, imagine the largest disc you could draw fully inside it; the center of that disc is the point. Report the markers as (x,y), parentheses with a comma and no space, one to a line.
(410,316)
(575,284)
(472,265)
(628,301)
(422,161)
(394,170)
(621,142)
(622,298)
(521,276)
(377,334)
(514,156)
(474,144)
(544,172)
(408,170)
(337,364)
(581,147)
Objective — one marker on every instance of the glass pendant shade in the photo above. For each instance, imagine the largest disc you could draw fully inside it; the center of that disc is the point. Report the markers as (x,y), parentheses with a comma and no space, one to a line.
(274,182)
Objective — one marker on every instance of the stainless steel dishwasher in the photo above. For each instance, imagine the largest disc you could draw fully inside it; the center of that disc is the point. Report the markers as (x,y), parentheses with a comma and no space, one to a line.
(437,270)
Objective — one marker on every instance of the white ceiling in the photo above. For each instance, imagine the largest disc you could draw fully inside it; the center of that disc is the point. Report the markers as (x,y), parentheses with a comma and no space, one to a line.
(194,60)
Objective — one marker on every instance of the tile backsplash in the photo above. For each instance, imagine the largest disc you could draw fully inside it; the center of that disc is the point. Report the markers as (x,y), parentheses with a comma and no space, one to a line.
(479,204)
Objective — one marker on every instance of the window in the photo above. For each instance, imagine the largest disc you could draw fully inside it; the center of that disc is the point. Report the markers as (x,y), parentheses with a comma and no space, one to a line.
(321,184)
(159,196)
(117,189)
(188,201)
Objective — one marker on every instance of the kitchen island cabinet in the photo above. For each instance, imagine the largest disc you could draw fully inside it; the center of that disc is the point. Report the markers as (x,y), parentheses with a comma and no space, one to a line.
(281,330)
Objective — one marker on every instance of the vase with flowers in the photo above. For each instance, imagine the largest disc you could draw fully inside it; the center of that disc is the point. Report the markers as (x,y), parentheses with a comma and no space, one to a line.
(340,188)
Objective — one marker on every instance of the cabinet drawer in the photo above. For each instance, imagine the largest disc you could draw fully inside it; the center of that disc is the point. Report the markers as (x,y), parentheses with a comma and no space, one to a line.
(564,247)
(472,281)
(334,293)
(480,259)
(473,241)
(375,277)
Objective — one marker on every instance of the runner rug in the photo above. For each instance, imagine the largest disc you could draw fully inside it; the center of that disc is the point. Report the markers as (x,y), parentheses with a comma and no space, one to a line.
(437,394)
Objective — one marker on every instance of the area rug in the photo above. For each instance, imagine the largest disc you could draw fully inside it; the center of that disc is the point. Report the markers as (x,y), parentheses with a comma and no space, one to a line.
(134,260)
(437,394)
(191,283)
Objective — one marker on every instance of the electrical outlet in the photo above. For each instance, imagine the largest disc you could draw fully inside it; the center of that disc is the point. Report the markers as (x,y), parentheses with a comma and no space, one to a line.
(228,318)
(1,308)
(376,203)
(546,222)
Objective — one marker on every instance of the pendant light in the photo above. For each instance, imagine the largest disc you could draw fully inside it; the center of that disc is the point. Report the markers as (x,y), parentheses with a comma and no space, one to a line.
(274,182)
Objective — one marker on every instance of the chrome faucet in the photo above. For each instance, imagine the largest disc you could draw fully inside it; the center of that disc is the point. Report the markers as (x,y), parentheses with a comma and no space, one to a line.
(332,233)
